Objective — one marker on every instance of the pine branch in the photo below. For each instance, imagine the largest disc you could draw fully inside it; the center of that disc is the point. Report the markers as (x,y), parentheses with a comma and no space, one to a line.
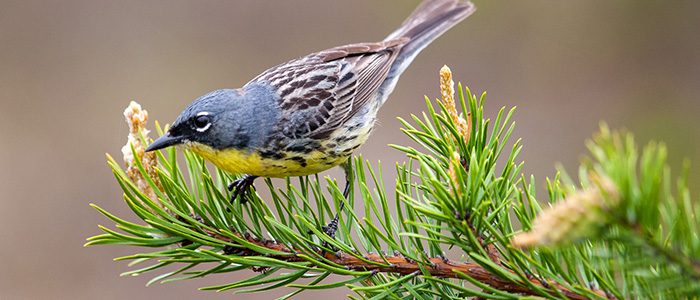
(620,232)
(438,266)
(690,266)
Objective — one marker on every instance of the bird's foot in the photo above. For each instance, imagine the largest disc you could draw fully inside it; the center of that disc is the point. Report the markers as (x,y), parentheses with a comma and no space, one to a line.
(240,187)
(330,231)
(332,227)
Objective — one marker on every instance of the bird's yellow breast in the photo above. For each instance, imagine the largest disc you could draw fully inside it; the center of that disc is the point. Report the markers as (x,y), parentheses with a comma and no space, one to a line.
(249,162)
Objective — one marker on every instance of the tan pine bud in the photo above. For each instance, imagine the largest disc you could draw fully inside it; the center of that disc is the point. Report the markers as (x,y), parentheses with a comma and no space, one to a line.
(136,118)
(447,92)
(581,215)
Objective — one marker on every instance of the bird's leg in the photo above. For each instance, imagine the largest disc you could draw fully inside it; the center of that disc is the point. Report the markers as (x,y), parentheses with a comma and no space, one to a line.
(332,227)
(240,187)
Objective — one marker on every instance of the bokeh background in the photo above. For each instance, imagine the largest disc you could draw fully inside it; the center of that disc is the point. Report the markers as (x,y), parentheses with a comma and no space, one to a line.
(68,69)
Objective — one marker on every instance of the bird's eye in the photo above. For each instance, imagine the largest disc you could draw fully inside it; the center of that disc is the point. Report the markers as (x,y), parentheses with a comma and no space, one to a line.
(202,122)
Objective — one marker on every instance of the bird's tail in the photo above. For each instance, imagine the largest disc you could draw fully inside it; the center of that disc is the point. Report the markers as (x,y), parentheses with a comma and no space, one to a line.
(431,19)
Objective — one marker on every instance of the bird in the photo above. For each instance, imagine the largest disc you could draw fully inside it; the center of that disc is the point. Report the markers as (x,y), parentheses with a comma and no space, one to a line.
(311,113)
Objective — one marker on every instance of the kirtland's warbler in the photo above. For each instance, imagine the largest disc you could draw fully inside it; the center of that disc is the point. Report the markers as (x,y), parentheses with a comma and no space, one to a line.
(309,114)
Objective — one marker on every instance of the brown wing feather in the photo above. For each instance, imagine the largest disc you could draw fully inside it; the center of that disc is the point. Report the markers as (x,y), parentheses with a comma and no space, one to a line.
(321,91)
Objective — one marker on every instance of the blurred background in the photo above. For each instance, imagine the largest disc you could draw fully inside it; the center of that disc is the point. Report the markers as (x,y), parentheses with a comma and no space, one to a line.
(69,68)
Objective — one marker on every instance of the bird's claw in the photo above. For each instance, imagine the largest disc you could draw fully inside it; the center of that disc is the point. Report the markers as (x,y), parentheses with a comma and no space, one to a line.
(331,228)
(330,231)
(240,187)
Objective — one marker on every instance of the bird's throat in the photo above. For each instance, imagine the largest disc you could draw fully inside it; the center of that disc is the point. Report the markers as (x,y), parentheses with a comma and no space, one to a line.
(234,161)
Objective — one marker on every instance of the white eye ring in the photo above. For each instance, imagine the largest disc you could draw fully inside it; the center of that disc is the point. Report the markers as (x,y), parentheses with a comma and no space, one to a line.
(203,120)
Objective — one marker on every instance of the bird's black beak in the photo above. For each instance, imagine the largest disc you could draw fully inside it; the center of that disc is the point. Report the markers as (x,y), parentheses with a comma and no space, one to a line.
(164,141)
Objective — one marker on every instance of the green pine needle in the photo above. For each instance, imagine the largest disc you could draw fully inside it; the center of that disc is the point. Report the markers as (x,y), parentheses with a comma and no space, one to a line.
(463,197)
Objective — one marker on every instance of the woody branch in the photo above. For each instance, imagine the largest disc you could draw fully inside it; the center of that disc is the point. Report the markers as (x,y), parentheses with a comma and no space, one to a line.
(436,266)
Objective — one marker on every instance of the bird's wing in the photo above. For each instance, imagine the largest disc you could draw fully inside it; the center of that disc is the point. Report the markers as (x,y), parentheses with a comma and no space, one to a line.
(321,91)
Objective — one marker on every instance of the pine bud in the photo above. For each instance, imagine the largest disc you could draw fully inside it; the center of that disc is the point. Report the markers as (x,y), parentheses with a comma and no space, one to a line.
(447,91)
(581,215)
(136,118)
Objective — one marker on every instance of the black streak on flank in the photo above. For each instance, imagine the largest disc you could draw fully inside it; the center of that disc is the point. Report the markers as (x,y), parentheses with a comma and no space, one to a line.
(342,139)
(272,154)
(354,127)
(300,149)
(298,159)
(350,150)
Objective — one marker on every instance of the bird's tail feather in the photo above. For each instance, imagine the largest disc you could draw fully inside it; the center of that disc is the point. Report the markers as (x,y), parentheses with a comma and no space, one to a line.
(431,19)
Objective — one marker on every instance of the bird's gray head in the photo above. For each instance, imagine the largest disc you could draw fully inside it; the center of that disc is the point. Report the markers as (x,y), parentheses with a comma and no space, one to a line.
(220,120)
